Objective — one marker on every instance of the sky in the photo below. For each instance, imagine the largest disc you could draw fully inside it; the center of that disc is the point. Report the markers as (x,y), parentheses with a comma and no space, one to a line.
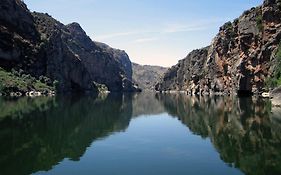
(152,32)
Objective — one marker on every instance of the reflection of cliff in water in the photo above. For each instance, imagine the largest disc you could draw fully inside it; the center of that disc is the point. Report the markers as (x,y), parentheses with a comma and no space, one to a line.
(244,131)
(54,129)
(146,104)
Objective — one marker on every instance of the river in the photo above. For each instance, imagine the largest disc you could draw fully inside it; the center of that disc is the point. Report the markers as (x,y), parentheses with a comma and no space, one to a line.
(139,134)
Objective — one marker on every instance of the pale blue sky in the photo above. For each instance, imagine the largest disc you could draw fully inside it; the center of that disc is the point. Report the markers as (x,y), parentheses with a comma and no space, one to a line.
(156,32)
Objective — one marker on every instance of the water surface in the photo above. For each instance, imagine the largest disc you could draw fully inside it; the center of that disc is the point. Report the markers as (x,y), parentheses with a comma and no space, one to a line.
(139,134)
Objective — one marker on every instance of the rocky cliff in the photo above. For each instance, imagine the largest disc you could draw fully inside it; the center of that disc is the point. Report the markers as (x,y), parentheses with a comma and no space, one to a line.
(241,58)
(146,76)
(37,44)
(120,56)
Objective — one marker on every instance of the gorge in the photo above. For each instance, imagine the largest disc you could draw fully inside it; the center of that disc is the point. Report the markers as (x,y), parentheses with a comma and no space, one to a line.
(72,105)
(38,53)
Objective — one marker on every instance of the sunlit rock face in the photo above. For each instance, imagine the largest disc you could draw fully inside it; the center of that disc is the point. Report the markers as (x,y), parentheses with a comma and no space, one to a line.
(239,59)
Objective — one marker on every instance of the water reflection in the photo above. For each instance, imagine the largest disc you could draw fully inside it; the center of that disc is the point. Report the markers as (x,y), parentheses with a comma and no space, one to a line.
(40,136)
(244,131)
(38,133)
(146,104)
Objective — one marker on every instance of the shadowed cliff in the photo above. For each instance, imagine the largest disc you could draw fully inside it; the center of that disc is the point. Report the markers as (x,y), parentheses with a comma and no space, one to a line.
(59,55)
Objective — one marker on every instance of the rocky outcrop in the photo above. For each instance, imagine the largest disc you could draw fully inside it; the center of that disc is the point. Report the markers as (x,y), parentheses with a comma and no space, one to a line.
(240,58)
(59,56)
(187,73)
(39,45)
(146,76)
(18,34)
(120,56)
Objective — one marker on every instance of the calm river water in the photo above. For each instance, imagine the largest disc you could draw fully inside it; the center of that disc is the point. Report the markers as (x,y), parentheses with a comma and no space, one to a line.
(140,134)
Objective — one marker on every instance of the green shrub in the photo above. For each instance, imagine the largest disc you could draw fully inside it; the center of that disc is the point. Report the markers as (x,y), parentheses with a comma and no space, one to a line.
(259,22)
(15,81)
(228,26)
(275,79)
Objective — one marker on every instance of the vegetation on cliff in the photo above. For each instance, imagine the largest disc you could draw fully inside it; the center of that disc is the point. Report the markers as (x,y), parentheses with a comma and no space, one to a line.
(275,79)
(15,81)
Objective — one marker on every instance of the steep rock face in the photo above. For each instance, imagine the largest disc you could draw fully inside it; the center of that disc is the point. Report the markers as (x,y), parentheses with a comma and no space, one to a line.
(57,59)
(96,64)
(18,35)
(15,14)
(240,57)
(146,77)
(120,56)
(186,73)
(40,45)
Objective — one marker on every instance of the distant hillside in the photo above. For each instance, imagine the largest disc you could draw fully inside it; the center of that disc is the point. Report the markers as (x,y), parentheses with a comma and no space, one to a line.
(147,76)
